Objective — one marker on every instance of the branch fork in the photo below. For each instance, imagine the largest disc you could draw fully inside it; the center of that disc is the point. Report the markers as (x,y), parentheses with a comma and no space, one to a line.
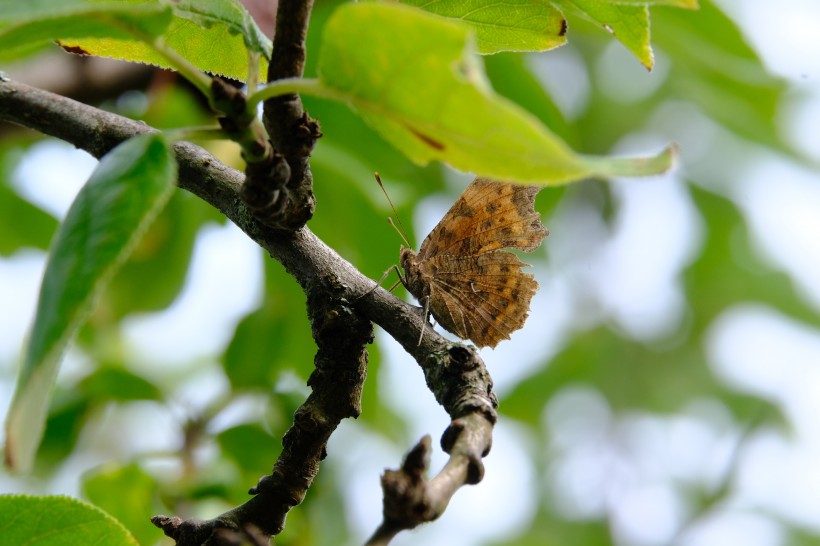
(272,203)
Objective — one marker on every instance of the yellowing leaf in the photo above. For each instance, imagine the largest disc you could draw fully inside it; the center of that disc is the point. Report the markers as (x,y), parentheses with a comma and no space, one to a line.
(420,86)
(213,35)
(629,23)
(23,24)
(513,25)
(685,4)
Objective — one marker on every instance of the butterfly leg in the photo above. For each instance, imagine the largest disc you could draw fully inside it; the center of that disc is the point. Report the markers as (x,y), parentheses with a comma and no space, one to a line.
(395,284)
(381,280)
(426,317)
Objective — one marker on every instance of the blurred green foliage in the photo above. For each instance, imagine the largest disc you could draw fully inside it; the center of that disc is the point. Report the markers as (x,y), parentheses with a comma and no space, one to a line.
(703,61)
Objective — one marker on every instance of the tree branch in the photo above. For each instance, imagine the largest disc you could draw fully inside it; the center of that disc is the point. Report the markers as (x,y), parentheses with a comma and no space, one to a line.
(281,193)
(410,500)
(282,114)
(337,381)
(454,372)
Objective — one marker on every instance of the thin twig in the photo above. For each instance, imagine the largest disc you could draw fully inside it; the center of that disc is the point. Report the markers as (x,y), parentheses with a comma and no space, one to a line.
(285,199)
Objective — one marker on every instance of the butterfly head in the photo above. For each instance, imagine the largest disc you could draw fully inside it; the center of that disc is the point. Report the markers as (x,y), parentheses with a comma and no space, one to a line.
(408,261)
(412,275)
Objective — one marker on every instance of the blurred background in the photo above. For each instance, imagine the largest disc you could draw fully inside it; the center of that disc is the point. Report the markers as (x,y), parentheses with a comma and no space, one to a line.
(665,389)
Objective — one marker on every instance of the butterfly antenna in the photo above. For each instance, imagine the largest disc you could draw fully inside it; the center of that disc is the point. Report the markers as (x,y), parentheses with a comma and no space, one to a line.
(402,232)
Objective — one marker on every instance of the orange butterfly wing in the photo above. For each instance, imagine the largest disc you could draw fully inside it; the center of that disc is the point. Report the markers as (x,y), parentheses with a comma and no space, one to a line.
(489,215)
(476,290)
(483,298)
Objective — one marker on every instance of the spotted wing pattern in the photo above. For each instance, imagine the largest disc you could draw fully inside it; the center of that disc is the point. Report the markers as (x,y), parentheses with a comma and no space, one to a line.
(488,216)
(477,290)
(483,298)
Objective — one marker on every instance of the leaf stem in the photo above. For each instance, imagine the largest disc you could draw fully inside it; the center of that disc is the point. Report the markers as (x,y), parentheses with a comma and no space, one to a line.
(632,166)
(191,73)
(289,86)
(253,72)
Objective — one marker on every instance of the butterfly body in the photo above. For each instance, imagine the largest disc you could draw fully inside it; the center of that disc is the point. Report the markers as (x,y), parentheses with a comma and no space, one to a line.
(471,286)
(414,278)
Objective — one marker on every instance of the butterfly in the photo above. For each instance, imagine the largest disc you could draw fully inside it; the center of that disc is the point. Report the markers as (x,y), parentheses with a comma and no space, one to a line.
(462,274)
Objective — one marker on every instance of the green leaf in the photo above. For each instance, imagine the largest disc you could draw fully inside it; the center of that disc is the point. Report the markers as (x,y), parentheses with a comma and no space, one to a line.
(253,449)
(427,94)
(627,20)
(162,255)
(686,4)
(67,416)
(729,271)
(25,23)
(271,339)
(118,384)
(512,77)
(22,224)
(128,493)
(629,23)
(716,69)
(514,25)
(53,520)
(231,15)
(124,194)
(213,35)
